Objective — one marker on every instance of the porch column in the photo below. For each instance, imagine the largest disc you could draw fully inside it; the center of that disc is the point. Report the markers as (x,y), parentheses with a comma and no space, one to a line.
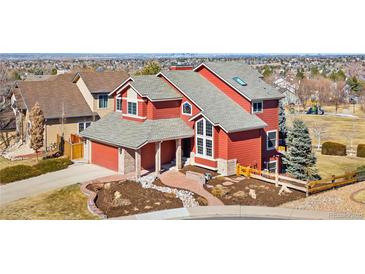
(178,154)
(138,163)
(158,158)
(121,156)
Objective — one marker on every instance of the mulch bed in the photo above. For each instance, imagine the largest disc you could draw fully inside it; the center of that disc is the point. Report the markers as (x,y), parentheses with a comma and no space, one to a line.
(132,199)
(266,194)
(198,170)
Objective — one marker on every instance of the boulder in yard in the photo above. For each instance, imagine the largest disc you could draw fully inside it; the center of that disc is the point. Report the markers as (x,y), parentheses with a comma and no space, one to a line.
(252,194)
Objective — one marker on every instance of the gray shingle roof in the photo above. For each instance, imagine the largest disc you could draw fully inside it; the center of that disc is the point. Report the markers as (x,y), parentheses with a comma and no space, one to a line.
(216,106)
(112,129)
(256,88)
(154,88)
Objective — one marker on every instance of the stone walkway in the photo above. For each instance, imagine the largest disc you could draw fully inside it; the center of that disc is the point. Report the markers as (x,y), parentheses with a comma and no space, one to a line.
(177,179)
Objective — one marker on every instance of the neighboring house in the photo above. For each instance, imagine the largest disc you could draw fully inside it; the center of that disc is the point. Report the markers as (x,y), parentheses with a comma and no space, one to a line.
(70,102)
(65,109)
(95,87)
(216,116)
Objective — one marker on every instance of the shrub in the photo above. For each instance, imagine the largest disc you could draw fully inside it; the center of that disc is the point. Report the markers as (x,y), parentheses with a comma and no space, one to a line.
(20,172)
(219,191)
(360,150)
(16,173)
(332,148)
(53,164)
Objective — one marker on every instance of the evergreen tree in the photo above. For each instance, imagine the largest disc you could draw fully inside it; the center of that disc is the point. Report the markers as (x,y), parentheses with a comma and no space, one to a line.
(37,128)
(300,74)
(282,121)
(299,159)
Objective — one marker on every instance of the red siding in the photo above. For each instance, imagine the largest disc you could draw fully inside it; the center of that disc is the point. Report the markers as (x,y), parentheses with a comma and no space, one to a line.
(271,117)
(205,162)
(148,156)
(245,146)
(228,90)
(104,155)
(168,151)
(271,114)
(163,109)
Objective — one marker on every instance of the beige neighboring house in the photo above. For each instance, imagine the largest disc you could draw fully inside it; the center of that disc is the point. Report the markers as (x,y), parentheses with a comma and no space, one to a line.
(65,109)
(70,102)
(95,87)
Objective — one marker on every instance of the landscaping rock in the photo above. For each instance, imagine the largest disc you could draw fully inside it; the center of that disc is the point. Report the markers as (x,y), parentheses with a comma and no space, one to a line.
(227,183)
(185,196)
(239,194)
(157,203)
(148,207)
(252,194)
(107,186)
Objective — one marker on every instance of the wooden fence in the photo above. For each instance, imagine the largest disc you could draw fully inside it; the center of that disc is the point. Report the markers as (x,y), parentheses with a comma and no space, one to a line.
(273,178)
(73,149)
(307,187)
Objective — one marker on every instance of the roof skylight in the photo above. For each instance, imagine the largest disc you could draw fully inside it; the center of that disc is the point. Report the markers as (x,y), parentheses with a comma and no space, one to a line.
(240,81)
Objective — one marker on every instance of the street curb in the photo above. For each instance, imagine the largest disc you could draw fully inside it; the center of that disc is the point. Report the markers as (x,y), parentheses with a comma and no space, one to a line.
(236,212)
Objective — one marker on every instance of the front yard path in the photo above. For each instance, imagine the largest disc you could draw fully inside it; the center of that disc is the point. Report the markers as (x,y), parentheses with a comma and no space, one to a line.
(177,179)
(75,173)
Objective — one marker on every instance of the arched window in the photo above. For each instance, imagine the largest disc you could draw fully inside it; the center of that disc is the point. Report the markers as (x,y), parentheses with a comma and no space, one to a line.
(204,138)
(187,108)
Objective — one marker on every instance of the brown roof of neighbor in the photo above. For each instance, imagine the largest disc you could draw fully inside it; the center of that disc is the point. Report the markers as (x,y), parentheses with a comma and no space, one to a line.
(102,82)
(52,96)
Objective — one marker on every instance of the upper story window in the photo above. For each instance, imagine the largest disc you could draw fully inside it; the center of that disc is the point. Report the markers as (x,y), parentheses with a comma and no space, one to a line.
(240,81)
(83,125)
(118,104)
(103,100)
(257,107)
(204,138)
(132,108)
(187,108)
(271,140)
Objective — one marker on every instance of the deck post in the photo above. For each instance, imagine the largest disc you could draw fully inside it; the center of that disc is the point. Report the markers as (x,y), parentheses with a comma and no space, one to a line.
(178,154)
(158,158)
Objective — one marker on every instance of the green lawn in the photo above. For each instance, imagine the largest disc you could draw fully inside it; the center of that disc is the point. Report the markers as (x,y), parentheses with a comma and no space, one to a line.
(336,129)
(67,203)
(329,165)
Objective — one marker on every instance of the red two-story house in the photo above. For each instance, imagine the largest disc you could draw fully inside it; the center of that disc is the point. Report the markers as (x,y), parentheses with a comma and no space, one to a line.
(215,116)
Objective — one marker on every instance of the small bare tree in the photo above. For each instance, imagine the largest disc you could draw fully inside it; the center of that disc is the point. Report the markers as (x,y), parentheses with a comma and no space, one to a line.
(318,131)
(37,128)
(337,93)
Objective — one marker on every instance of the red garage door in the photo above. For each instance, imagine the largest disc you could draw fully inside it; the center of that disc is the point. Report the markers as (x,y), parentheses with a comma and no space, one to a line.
(104,155)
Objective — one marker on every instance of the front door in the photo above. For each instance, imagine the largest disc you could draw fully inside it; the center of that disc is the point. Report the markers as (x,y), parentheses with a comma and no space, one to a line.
(186,147)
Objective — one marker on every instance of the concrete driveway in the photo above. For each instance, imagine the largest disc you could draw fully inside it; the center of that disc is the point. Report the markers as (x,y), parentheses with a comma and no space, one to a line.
(76,173)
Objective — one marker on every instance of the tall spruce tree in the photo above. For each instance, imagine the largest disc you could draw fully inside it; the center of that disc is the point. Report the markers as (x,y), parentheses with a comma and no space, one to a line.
(37,128)
(282,121)
(299,159)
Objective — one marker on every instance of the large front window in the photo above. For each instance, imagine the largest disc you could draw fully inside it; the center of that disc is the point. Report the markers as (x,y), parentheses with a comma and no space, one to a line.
(103,101)
(132,108)
(204,138)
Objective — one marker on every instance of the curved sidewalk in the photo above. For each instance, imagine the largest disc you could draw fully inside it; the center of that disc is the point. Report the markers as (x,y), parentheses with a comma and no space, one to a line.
(177,179)
(238,213)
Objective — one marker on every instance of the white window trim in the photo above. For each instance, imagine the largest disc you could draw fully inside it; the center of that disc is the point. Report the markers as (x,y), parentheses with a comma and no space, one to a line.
(121,104)
(267,140)
(276,165)
(78,125)
(262,108)
(204,137)
(132,101)
(107,101)
(182,109)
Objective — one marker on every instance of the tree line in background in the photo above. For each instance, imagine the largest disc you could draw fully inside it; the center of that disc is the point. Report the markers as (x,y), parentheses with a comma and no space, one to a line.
(327,87)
